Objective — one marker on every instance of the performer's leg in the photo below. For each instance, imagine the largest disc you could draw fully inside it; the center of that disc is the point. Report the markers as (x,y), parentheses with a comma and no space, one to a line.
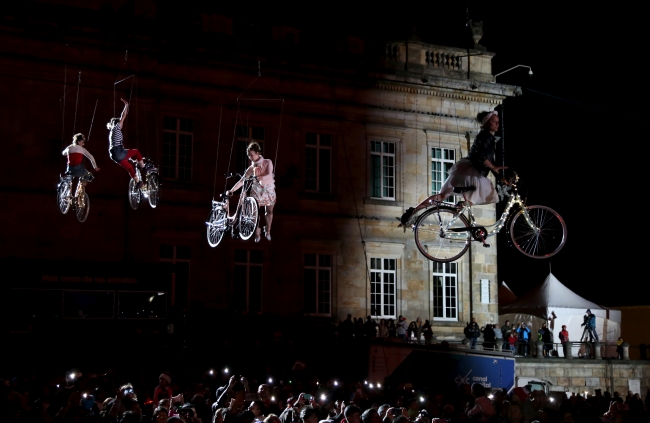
(126,164)
(268,217)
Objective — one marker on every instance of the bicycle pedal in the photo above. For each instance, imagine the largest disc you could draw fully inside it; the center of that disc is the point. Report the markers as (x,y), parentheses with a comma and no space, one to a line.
(486,245)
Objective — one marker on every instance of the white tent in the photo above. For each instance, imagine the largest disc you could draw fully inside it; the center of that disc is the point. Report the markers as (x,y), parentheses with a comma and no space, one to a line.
(552,297)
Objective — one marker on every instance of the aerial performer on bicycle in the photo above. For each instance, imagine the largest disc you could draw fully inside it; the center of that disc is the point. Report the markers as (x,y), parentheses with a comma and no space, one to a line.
(116,150)
(76,153)
(263,189)
(471,170)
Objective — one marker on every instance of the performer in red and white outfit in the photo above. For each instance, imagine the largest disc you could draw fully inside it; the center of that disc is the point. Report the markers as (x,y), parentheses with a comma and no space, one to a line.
(116,150)
(76,153)
(263,190)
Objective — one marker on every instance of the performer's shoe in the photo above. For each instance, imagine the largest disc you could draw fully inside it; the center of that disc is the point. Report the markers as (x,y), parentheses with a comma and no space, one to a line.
(406,219)
(407,216)
(258,235)
(138,185)
(267,235)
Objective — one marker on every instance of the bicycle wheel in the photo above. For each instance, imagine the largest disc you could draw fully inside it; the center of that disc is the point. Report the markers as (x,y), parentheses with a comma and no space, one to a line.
(154,190)
(435,241)
(62,193)
(216,227)
(134,195)
(248,218)
(543,242)
(82,207)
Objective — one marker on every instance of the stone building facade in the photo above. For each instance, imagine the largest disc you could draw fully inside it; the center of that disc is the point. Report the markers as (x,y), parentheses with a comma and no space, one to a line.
(365,130)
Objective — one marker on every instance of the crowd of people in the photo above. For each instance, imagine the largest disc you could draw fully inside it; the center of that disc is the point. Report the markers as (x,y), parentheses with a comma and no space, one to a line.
(301,396)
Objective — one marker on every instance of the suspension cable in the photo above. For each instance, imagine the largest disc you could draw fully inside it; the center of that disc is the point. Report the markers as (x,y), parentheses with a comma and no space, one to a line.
(91,123)
(76,105)
(216,164)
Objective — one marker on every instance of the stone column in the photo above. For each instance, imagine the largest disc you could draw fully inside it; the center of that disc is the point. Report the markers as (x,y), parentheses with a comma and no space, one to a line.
(539,348)
(499,344)
(568,354)
(597,355)
(626,350)
(466,343)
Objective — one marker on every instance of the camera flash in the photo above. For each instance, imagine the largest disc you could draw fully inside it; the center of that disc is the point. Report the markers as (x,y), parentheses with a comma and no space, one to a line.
(211,371)
(71,375)
(85,395)
(272,398)
(270,380)
(371,386)
(225,370)
(421,399)
(379,385)
(323,397)
(336,383)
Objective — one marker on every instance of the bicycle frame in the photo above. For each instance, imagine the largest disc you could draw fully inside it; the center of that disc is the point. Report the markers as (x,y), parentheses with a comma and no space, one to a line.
(493,229)
(228,222)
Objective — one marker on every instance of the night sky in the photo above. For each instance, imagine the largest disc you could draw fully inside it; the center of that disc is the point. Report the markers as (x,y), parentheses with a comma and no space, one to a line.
(571,136)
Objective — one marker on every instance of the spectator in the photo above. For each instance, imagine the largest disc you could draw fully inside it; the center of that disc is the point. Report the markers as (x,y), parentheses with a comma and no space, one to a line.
(472,332)
(427,332)
(401,328)
(564,335)
(370,328)
(163,388)
(488,337)
(392,329)
(505,330)
(497,333)
(619,348)
(483,409)
(523,337)
(160,415)
(352,414)
(371,416)
(545,335)
(383,329)
(346,328)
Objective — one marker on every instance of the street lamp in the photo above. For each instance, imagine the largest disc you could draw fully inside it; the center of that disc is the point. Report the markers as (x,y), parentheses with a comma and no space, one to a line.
(530,71)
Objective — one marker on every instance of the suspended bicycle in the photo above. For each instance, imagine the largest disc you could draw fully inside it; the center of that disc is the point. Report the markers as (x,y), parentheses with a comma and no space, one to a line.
(79,201)
(246,215)
(443,233)
(150,185)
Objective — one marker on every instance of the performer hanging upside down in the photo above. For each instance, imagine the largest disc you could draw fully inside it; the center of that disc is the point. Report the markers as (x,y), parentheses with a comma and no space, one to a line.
(116,150)
(471,170)
(76,153)
(263,190)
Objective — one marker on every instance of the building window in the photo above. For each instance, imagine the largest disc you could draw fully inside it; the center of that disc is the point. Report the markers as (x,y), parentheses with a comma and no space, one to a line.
(178,138)
(445,291)
(442,159)
(318,284)
(382,287)
(382,168)
(318,163)
(248,281)
(246,135)
(177,260)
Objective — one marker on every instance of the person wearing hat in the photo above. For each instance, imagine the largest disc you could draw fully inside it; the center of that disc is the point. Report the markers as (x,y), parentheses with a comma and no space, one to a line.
(163,387)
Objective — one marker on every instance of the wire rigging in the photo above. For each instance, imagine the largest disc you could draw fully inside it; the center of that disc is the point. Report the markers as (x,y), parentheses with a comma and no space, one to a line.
(74,124)
(91,122)
(216,164)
